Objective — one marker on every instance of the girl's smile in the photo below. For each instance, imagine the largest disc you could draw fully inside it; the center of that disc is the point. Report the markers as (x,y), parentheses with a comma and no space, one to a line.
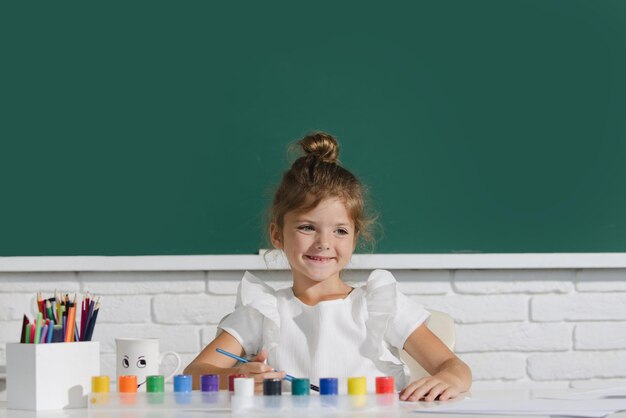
(319,259)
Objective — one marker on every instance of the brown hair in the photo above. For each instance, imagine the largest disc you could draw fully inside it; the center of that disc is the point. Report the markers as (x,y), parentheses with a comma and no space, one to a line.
(317,175)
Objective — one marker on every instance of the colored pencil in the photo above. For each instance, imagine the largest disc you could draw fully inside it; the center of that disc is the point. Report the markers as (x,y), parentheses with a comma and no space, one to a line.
(44,334)
(25,323)
(69,327)
(39,303)
(83,317)
(49,309)
(50,332)
(58,305)
(38,328)
(63,319)
(92,322)
(58,334)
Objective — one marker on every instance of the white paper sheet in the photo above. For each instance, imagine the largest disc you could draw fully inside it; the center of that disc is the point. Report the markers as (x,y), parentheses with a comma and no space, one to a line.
(572,408)
(605,393)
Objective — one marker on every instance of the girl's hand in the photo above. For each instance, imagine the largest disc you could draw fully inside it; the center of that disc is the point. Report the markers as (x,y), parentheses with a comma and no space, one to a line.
(429,389)
(258,370)
(449,376)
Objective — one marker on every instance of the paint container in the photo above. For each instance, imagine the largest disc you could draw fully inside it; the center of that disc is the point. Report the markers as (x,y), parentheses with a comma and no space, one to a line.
(210,386)
(329,386)
(244,386)
(127,384)
(155,388)
(357,389)
(272,387)
(182,388)
(300,387)
(329,390)
(272,391)
(300,392)
(385,384)
(100,384)
(210,383)
(357,386)
(127,388)
(231,378)
(385,390)
(100,388)
(243,396)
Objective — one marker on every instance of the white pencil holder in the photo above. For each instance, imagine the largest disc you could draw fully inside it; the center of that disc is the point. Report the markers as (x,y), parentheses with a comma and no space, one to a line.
(51,376)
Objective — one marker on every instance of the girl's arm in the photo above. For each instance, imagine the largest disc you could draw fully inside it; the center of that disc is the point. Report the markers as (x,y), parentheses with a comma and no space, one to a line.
(449,375)
(210,361)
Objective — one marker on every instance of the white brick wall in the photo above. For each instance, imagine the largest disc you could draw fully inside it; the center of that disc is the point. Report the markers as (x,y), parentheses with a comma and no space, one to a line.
(516,328)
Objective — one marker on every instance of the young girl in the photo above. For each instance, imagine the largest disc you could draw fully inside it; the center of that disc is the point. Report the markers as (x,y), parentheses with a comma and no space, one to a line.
(322,326)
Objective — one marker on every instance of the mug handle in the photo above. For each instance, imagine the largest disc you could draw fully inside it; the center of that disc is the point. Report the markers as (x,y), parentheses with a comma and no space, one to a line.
(170,353)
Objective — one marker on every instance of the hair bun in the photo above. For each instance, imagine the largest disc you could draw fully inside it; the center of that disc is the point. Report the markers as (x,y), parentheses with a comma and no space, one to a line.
(321,145)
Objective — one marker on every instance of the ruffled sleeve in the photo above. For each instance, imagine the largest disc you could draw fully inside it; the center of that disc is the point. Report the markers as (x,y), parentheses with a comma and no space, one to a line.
(255,322)
(381,308)
(392,316)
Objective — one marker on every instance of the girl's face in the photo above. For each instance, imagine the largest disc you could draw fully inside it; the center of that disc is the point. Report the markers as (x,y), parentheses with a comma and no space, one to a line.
(317,243)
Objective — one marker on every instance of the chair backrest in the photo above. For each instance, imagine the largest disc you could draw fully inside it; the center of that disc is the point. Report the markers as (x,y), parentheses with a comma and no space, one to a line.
(442,325)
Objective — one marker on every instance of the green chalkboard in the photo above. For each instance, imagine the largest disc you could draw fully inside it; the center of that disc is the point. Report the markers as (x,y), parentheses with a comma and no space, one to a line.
(134,128)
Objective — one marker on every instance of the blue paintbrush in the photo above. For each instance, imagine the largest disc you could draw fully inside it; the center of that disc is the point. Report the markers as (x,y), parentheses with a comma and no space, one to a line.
(243,360)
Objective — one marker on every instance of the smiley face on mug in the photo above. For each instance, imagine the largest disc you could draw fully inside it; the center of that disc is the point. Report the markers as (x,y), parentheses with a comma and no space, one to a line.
(140,363)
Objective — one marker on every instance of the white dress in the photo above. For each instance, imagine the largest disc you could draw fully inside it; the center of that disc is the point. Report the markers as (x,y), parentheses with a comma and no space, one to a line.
(360,335)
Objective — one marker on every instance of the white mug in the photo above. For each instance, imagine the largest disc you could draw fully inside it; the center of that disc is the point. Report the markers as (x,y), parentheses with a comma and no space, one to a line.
(140,357)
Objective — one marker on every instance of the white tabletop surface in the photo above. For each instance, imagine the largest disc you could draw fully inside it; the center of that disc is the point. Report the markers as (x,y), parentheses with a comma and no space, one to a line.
(404,410)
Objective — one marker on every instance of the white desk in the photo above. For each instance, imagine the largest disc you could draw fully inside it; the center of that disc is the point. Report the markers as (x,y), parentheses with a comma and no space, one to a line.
(405,410)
